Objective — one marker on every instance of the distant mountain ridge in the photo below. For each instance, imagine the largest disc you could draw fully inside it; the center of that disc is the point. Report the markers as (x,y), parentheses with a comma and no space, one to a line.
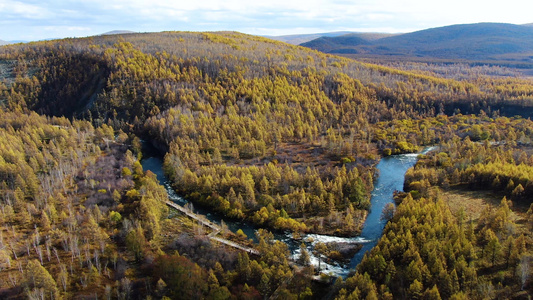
(297,39)
(480,41)
(2,42)
(117,32)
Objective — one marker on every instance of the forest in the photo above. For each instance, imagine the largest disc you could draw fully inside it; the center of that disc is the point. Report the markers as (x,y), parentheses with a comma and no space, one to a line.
(258,131)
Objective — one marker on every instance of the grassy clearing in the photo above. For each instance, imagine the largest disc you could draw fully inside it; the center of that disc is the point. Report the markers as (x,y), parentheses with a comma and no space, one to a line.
(473,202)
(476,203)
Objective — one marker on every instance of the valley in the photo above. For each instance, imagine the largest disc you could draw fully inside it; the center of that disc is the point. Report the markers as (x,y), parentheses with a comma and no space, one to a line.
(283,140)
(481,43)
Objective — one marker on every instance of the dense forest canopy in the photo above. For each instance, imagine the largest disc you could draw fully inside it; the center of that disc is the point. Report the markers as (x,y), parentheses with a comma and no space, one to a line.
(261,131)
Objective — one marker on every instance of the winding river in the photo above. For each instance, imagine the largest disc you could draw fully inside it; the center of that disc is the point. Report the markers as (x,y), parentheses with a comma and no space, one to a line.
(391,177)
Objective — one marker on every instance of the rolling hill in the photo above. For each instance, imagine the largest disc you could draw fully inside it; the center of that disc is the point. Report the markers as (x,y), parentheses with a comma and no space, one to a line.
(342,44)
(257,131)
(296,39)
(480,42)
(2,42)
(113,32)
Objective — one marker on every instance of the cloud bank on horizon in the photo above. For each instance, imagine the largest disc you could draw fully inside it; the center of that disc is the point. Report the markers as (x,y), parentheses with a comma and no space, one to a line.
(41,19)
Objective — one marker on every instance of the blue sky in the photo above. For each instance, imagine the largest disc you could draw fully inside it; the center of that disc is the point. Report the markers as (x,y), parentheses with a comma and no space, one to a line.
(41,19)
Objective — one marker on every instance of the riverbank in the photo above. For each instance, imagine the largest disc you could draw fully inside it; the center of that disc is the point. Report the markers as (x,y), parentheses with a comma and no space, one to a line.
(342,216)
(391,177)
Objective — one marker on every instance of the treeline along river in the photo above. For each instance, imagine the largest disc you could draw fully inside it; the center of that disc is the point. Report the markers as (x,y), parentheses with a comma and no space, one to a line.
(390,178)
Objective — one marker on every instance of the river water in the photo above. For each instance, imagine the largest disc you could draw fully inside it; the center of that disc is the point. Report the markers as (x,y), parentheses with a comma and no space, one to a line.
(391,177)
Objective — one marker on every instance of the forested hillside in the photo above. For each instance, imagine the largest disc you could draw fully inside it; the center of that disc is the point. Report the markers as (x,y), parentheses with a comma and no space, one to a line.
(436,244)
(259,131)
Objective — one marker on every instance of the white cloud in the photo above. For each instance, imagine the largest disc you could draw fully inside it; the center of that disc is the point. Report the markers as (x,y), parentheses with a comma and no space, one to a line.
(27,19)
(25,10)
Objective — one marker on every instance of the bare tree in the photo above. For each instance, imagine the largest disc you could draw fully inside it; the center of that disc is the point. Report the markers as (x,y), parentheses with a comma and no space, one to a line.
(13,279)
(39,251)
(108,291)
(56,255)
(523,270)
(126,285)
(63,277)
(48,244)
